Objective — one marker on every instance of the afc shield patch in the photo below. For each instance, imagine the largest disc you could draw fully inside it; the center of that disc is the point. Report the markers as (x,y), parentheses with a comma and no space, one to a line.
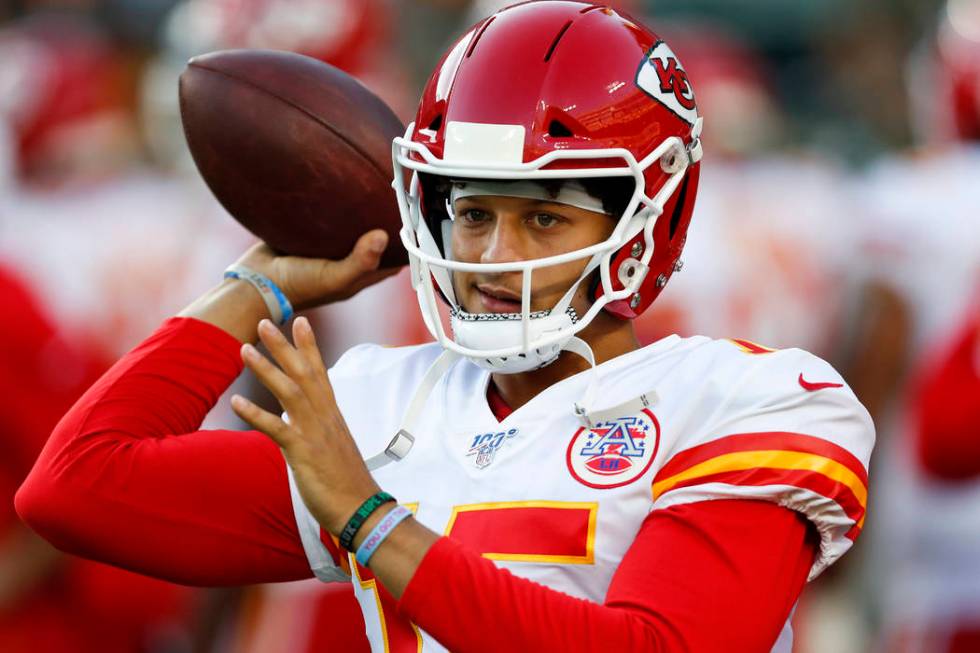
(614,453)
(662,77)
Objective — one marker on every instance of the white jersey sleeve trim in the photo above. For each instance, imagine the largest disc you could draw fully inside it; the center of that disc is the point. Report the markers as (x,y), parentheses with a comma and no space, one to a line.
(831,521)
(321,562)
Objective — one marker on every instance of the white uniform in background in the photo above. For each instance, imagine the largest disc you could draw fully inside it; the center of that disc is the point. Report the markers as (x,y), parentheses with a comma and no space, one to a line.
(923,240)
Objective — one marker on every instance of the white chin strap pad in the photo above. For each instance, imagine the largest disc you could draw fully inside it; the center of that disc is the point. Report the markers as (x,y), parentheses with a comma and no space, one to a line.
(489,331)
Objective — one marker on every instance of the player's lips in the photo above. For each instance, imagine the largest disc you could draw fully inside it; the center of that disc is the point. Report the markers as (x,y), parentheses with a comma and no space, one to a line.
(498,300)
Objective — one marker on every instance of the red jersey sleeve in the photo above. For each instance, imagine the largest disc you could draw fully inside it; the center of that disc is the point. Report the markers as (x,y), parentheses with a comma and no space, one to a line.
(709,576)
(126,477)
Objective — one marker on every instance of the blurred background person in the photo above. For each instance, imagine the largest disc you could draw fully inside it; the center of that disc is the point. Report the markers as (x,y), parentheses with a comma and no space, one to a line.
(922,254)
(101,179)
(49,602)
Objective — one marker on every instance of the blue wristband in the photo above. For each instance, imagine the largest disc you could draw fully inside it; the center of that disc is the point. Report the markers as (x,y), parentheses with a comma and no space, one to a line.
(380,532)
(275,300)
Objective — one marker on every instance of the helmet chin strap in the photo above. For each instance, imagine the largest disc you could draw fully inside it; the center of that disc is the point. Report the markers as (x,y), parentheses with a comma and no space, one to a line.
(585,408)
(402,443)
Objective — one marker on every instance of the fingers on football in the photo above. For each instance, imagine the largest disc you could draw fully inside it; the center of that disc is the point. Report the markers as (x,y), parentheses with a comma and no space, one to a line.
(347,274)
(261,420)
(368,249)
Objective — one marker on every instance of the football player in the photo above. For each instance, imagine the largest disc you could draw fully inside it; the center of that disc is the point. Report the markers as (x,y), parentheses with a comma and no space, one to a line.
(560,487)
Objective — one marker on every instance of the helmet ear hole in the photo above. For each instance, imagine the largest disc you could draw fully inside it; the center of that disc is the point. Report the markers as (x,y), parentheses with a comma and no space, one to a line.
(557,129)
(433,191)
(675,217)
(436,123)
(594,286)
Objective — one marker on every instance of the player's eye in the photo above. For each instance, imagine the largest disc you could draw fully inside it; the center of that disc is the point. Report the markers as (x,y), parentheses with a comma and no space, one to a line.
(473,216)
(544,220)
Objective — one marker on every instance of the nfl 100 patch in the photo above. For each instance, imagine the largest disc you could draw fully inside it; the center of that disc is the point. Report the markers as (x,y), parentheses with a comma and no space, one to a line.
(485,446)
(614,452)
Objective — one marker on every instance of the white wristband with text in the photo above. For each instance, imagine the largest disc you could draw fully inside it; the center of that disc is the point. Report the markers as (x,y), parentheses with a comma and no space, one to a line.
(278,304)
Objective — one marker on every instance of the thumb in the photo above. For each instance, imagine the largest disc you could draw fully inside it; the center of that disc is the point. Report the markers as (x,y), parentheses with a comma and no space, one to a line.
(367,252)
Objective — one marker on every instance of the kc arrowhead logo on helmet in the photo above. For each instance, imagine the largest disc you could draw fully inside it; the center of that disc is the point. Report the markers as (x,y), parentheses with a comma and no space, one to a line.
(662,77)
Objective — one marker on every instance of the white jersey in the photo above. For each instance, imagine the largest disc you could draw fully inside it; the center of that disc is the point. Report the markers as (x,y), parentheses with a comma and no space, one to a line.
(560,504)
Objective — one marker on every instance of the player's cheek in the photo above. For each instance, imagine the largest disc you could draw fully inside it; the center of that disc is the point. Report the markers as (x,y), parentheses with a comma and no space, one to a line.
(464,248)
(464,244)
(463,289)
(581,302)
(552,282)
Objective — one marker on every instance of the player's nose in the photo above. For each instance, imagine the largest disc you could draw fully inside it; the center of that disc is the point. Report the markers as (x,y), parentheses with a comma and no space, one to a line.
(506,242)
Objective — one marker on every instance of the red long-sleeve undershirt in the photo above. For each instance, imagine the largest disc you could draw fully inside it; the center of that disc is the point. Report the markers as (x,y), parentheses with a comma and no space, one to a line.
(126,478)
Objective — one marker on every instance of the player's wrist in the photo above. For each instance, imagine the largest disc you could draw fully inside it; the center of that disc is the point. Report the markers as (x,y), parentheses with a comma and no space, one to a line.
(233,306)
(346,519)
(370,523)
(278,305)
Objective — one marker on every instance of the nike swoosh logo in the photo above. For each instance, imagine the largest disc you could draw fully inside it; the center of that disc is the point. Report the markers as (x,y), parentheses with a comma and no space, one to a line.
(813,387)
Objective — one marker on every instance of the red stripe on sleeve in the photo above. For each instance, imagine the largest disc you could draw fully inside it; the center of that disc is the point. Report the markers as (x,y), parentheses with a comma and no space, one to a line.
(759,476)
(750,347)
(776,440)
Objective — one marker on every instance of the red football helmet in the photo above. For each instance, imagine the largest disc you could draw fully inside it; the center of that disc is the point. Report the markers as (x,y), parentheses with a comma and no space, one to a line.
(64,99)
(552,90)
(959,58)
(944,77)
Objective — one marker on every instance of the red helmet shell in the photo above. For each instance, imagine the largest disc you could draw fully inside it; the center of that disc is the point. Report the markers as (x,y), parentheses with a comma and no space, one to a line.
(569,73)
(959,67)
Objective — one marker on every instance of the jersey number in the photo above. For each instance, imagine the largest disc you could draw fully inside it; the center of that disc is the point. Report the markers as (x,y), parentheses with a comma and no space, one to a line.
(555,532)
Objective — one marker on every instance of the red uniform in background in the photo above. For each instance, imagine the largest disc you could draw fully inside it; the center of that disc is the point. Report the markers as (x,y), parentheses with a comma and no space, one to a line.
(70,604)
(948,411)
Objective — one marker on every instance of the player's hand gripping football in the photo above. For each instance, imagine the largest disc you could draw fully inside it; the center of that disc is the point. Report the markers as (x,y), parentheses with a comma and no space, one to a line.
(326,463)
(309,282)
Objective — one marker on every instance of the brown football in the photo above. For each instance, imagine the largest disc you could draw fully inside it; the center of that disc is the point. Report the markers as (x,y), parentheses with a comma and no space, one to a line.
(296,150)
